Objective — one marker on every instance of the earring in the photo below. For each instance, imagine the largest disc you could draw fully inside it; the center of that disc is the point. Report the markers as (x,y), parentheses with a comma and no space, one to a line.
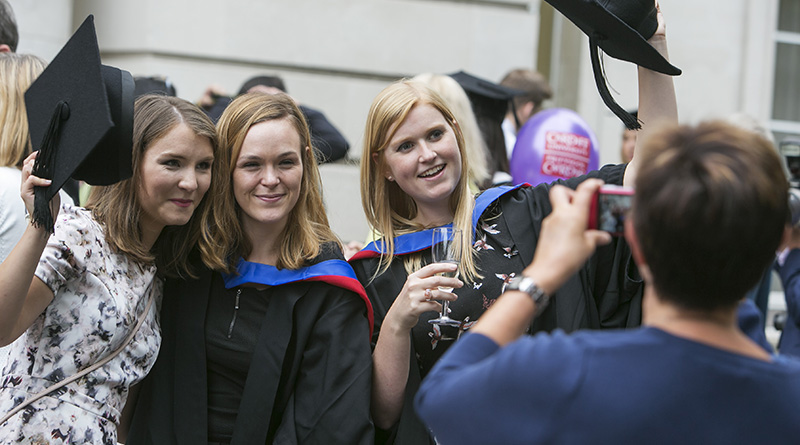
(390,178)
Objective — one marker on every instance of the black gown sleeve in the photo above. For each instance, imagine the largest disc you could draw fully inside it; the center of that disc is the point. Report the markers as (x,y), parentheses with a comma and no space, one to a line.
(607,291)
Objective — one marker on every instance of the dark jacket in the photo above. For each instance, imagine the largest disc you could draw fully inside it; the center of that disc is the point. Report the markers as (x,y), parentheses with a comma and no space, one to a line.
(309,381)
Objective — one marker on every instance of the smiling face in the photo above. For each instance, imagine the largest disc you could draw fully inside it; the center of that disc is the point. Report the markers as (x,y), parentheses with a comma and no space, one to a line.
(268,174)
(423,158)
(176,173)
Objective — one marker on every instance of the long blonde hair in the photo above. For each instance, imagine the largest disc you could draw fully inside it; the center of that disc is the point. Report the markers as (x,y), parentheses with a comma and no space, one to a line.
(117,208)
(307,227)
(390,211)
(17,73)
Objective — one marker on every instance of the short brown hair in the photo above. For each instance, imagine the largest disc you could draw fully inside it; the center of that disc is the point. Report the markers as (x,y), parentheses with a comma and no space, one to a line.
(535,87)
(117,208)
(710,206)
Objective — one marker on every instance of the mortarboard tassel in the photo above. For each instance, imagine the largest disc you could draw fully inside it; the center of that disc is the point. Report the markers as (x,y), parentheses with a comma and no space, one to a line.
(631,123)
(45,165)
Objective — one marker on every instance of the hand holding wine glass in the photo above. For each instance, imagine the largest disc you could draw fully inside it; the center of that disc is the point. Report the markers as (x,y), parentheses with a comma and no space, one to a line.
(446,248)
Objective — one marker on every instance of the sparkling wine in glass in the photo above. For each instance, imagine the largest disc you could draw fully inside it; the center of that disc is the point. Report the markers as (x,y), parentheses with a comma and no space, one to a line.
(446,248)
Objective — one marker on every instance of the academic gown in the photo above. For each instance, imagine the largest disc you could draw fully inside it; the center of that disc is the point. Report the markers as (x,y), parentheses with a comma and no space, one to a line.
(605,293)
(309,381)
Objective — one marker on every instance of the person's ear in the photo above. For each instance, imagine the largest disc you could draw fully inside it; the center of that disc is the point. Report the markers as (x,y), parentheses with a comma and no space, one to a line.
(386,173)
(636,249)
(5,48)
(633,242)
(525,112)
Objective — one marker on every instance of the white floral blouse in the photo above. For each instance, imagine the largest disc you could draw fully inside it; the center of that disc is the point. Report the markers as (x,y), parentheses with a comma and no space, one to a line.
(98,297)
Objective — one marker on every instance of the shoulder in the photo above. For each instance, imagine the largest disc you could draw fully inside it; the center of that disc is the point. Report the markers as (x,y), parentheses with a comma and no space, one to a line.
(77,223)
(328,251)
(10,179)
(560,347)
(309,112)
(787,364)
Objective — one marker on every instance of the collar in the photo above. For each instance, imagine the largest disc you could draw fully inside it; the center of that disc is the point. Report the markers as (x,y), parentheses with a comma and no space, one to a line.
(417,241)
(334,272)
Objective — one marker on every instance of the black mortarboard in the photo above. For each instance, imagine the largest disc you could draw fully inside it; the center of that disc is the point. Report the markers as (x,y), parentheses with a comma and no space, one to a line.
(621,28)
(80,116)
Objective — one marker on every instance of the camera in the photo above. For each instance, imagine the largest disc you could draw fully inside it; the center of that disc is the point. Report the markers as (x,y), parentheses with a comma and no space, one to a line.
(609,209)
(790,149)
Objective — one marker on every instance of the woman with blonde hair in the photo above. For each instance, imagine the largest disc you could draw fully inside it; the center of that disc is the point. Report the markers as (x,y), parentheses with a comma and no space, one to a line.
(413,175)
(17,73)
(272,344)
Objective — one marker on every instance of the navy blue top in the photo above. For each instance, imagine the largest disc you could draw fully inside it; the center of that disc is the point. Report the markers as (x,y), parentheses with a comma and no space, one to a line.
(634,386)
(790,276)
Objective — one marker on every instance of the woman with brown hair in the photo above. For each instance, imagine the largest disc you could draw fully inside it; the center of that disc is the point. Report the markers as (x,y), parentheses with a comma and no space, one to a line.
(272,344)
(77,295)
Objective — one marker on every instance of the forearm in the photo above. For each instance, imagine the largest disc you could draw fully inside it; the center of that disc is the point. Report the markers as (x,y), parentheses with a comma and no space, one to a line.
(390,361)
(16,274)
(657,105)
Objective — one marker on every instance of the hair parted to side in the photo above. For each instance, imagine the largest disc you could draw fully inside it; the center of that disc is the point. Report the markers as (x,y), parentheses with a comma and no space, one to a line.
(458,102)
(117,207)
(710,206)
(307,228)
(389,210)
(17,73)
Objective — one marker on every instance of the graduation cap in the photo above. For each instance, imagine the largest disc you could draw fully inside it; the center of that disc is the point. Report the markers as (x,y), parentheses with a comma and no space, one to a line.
(621,28)
(487,98)
(80,117)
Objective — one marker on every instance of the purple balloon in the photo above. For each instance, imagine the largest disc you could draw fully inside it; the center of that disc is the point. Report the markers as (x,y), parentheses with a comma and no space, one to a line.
(554,144)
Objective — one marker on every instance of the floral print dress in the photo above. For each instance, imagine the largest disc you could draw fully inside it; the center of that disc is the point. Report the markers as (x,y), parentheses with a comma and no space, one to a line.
(99,296)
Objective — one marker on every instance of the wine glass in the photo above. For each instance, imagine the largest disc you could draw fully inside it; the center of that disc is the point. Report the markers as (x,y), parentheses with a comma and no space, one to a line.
(446,248)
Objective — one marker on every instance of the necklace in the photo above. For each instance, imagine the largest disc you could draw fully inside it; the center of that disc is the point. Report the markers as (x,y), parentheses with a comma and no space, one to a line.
(235,310)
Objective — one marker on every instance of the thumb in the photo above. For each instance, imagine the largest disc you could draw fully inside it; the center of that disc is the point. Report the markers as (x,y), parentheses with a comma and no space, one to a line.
(597,237)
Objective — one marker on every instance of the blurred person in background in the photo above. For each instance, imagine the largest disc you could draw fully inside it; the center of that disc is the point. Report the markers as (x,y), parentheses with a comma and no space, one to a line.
(329,144)
(9,36)
(534,90)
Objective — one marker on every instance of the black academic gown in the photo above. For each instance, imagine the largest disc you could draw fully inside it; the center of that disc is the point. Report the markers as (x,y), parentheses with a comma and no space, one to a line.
(605,293)
(309,382)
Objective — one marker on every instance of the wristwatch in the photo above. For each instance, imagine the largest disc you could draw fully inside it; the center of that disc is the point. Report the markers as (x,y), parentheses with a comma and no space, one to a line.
(527,285)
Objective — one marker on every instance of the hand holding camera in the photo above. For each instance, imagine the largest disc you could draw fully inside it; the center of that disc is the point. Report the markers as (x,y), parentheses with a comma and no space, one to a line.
(609,208)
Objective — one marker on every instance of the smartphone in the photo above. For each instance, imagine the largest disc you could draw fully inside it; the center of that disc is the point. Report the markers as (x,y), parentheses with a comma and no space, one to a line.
(609,209)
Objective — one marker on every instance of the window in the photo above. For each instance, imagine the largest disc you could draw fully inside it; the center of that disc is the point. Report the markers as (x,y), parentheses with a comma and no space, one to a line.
(786,94)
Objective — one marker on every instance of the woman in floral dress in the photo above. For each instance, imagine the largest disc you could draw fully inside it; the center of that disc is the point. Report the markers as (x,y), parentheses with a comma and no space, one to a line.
(413,179)
(77,294)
